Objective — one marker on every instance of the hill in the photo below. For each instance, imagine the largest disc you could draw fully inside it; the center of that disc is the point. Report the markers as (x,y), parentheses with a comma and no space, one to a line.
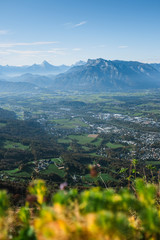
(38,80)
(18,87)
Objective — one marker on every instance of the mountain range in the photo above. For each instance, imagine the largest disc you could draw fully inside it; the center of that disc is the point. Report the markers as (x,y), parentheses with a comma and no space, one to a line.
(93,75)
(43,68)
(104,75)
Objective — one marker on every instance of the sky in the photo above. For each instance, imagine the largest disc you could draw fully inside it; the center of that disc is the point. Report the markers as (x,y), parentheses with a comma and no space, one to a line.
(66,31)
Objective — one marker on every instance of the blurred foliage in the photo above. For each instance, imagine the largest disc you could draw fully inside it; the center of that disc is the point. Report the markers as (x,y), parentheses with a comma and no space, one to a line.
(101,214)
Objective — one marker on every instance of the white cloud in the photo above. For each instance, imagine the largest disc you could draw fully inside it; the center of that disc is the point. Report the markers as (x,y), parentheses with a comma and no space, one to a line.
(3,32)
(6,45)
(23,51)
(58,51)
(72,25)
(123,46)
(79,24)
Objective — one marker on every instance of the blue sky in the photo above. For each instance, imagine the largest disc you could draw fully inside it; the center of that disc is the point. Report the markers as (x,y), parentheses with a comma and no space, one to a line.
(66,31)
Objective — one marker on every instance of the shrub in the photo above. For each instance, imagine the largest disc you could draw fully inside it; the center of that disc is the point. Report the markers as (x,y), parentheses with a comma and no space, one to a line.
(100,214)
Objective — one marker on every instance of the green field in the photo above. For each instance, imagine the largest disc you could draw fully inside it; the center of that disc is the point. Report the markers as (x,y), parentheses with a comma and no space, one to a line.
(13,171)
(85,148)
(2,124)
(57,160)
(114,145)
(53,169)
(64,140)
(94,154)
(69,123)
(16,145)
(84,139)
(106,177)
(16,173)
(22,174)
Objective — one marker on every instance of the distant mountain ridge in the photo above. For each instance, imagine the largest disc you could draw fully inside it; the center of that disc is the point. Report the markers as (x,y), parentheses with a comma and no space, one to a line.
(43,68)
(95,75)
(156,66)
(103,75)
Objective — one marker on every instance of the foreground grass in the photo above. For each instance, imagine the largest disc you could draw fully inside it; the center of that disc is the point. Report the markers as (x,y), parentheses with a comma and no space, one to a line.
(101,214)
